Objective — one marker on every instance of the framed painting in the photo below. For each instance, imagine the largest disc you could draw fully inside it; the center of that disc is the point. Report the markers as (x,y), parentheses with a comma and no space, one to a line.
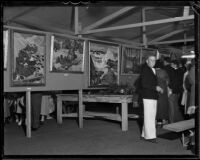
(146,52)
(103,64)
(5,48)
(130,60)
(67,54)
(28,59)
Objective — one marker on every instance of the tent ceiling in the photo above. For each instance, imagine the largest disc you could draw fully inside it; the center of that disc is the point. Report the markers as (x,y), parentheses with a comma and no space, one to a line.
(169,26)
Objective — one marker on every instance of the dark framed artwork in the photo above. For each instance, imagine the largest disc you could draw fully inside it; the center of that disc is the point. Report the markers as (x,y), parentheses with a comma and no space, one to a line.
(5,48)
(28,59)
(146,52)
(103,64)
(67,54)
(130,60)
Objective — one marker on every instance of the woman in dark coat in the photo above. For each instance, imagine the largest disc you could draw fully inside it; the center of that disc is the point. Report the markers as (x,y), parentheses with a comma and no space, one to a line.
(162,104)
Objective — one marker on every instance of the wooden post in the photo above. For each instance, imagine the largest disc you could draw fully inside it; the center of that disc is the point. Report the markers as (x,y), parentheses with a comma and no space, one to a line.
(124,116)
(144,37)
(76,21)
(28,114)
(80,108)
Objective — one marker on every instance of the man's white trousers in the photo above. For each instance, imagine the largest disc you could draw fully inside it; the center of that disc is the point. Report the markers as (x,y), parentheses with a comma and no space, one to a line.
(149,126)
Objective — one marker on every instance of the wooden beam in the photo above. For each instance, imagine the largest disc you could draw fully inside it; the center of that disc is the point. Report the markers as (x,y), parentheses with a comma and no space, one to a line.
(173,41)
(46,27)
(107,18)
(158,30)
(127,41)
(21,14)
(167,35)
(168,20)
(152,32)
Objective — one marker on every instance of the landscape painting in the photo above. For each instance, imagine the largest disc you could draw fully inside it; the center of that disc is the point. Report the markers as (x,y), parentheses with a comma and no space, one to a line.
(67,55)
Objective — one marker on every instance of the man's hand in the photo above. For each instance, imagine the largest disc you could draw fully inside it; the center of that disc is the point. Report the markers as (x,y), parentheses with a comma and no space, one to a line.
(159,89)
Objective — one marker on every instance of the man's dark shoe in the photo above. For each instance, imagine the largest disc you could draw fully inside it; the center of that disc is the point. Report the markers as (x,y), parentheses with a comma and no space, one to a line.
(142,138)
(149,140)
(152,140)
(41,122)
(34,129)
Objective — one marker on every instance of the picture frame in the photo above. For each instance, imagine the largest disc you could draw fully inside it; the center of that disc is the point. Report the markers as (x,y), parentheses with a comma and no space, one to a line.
(67,54)
(130,63)
(103,64)
(146,52)
(28,58)
(5,48)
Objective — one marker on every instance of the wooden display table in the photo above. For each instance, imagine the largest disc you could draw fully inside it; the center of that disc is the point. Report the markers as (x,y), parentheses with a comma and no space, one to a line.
(124,100)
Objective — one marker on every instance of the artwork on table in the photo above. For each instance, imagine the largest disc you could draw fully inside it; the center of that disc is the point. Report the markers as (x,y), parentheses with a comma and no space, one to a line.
(130,60)
(28,59)
(67,54)
(103,64)
(5,47)
(146,52)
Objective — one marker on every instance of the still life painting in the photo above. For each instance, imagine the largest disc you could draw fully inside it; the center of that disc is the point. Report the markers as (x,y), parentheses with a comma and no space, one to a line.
(67,54)
(28,59)
(103,64)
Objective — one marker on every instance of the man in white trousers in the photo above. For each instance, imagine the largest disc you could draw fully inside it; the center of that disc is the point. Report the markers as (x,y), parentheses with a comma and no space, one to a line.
(150,89)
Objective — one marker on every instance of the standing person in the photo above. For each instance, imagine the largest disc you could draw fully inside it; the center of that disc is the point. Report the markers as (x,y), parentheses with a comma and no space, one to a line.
(36,99)
(47,107)
(186,89)
(150,89)
(175,113)
(167,66)
(162,115)
(181,71)
(191,77)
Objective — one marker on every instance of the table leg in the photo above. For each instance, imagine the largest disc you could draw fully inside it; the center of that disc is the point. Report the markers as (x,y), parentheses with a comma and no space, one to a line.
(59,111)
(28,114)
(124,116)
(80,108)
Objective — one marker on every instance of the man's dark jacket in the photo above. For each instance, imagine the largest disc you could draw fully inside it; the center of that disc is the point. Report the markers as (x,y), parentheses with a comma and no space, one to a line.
(148,83)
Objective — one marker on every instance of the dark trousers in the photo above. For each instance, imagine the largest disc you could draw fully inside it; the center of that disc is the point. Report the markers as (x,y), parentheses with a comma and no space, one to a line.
(175,113)
(36,99)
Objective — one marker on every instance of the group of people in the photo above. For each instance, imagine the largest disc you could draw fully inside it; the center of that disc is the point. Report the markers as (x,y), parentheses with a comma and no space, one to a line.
(41,108)
(167,92)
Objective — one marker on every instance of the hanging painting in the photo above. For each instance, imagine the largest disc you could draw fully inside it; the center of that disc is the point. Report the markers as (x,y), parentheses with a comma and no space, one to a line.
(130,60)
(103,64)
(5,48)
(67,54)
(28,59)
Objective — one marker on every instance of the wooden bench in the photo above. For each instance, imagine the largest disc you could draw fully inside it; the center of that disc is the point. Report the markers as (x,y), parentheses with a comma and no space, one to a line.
(180,127)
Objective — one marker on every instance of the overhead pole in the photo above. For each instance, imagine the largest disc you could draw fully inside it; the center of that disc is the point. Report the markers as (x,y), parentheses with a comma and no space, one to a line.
(76,22)
(186,11)
(144,37)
